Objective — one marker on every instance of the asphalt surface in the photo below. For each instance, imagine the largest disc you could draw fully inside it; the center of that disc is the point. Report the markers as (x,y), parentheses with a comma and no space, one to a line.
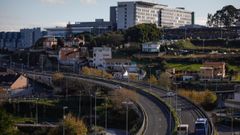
(186,111)
(157,114)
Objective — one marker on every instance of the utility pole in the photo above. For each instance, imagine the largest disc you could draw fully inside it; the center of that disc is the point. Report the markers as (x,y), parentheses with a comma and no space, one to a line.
(106,113)
(79,104)
(95,112)
(127,120)
(66,94)
(64,108)
(37,110)
(42,63)
(58,66)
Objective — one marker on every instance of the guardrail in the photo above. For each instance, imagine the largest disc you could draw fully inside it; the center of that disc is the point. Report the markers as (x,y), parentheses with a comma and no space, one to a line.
(142,130)
(115,82)
(201,111)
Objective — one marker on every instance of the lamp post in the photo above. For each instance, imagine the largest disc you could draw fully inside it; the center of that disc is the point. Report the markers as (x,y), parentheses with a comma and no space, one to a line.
(36,111)
(79,104)
(106,113)
(203,45)
(64,108)
(58,65)
(42,62)
(95,112)
(127,103)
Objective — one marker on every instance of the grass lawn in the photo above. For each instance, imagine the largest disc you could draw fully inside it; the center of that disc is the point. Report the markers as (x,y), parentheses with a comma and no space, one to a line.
(234,68)
(184,67)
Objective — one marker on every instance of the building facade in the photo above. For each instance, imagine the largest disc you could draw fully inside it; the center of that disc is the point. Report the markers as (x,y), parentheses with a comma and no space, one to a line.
(151,47)
(68,55)
(26,38)
(30,36)
(212,71)
(129,14)
(99,26)
(100,54)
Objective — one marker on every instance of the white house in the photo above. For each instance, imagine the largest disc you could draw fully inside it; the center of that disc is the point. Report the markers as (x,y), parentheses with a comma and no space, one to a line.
(100,54)
(151,47)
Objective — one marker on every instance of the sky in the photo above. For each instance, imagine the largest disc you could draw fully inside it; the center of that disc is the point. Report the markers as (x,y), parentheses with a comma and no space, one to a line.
(17,14)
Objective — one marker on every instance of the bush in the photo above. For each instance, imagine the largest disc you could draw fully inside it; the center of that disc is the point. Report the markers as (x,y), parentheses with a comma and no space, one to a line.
(206,99)
(6,124)
(96,72)
(57,78)
(73,126)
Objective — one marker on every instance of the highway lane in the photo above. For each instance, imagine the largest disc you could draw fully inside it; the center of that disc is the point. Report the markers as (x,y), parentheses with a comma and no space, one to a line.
(156,112)
(188,114)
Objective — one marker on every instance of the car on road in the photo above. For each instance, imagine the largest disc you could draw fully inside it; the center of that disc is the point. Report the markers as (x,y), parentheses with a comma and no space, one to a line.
(182,129)
(118,87)
(170,94)
(201,126)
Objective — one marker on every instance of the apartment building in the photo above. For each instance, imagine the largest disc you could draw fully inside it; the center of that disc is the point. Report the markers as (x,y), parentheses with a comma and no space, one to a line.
(100,54)
(131,13)
(19,40)
(30,36)
(212,71)
(99,26)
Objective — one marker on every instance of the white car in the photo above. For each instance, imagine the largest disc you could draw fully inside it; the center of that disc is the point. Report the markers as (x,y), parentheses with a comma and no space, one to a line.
(182,129)
(170,94)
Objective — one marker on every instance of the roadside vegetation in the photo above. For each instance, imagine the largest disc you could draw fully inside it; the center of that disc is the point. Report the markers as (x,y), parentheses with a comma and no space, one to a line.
(206,99)
(73,126)
(7,124)
(96,72)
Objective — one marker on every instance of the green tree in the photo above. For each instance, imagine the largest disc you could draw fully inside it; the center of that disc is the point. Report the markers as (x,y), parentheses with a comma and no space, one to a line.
(165,80)
(73,126)
(153,80)
(227,17)
(58,78)
(143,33)
(6,124)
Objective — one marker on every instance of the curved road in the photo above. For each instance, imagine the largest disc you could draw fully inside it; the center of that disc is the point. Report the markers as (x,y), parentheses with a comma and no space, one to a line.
(156,112)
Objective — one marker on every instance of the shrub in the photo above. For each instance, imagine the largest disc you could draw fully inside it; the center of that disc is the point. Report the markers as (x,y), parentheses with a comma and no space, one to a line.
(96,72)
(206,99)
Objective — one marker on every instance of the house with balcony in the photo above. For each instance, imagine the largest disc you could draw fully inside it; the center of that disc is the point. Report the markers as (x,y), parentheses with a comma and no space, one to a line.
(99,56)
(211,71)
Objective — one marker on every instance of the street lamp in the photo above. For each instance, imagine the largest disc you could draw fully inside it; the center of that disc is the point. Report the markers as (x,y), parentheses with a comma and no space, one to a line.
(64,108)
(36,110)
(106,113)
(127,103)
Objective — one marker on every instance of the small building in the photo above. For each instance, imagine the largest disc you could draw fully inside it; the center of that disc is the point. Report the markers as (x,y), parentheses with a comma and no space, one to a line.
(212,71)
(100,54)
(50,42)
(120,65)
(68,55)
(74,42)
(151,47)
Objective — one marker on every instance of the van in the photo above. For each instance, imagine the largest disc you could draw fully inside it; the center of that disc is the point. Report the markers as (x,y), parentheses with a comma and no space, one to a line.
(182,129)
